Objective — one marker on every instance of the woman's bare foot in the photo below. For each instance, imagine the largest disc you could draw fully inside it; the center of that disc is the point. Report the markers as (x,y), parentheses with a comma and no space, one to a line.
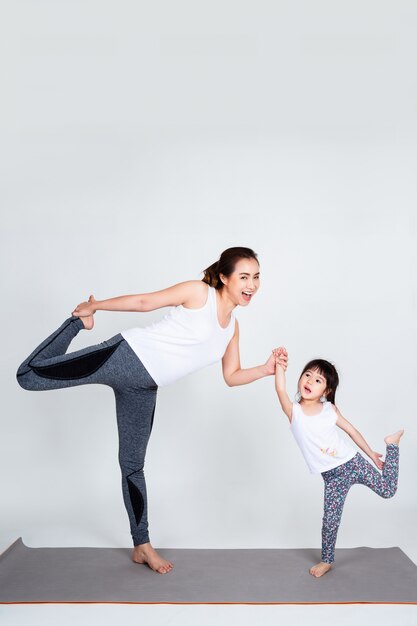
(320,569)
(146,554)
(87,320)
(395,438)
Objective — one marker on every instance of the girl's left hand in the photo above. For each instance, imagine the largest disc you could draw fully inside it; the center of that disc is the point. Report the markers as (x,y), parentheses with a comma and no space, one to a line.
(376,457)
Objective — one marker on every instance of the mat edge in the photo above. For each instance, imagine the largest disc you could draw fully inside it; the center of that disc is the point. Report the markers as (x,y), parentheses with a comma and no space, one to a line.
(357,602)
(19,541)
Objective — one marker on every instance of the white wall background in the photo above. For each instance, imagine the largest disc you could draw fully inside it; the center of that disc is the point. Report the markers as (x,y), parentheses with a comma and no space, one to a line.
(140,139)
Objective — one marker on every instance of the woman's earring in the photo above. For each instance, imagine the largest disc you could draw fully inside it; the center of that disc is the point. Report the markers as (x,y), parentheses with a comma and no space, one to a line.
(323,399)
(297,396)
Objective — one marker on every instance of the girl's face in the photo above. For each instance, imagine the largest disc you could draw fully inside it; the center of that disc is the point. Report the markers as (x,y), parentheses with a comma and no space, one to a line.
(312,385)
(243,283)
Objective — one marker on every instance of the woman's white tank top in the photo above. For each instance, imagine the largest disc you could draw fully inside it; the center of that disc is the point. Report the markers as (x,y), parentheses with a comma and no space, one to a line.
(184,341)
(319,439)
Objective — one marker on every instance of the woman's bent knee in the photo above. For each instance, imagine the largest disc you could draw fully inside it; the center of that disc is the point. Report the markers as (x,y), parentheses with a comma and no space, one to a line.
(25,380)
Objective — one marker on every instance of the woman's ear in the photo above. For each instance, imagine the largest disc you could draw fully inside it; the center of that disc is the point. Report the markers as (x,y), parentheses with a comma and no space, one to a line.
(223,279)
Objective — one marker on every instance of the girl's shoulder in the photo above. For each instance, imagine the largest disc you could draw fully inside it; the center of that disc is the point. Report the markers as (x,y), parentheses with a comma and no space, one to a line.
(330,406)
(331,410)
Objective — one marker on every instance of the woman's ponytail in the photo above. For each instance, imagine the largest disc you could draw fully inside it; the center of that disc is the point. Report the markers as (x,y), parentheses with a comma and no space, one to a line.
(211,275)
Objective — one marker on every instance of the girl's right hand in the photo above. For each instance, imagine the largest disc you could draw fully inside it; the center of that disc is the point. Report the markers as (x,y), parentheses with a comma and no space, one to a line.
(84,309)
(376,457)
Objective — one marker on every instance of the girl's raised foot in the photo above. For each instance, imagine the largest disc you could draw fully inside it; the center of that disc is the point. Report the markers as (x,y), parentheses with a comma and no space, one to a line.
(146,554)
(395,438)
(320,569)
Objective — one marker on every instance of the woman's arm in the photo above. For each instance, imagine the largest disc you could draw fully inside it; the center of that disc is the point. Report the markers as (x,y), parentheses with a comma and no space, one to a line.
(192,294)
(233,374)
(281,357)
(356,436)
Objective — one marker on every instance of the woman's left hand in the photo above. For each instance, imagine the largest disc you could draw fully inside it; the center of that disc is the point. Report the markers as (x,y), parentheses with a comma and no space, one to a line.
(85,309)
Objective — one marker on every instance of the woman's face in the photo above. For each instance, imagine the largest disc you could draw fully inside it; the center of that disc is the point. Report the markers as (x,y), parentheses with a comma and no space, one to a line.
(243,283)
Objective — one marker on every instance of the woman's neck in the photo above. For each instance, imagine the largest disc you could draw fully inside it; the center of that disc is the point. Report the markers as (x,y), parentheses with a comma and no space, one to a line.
(225,305)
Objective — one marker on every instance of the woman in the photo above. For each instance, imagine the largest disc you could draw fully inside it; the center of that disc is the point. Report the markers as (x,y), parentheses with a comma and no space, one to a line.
(200,330)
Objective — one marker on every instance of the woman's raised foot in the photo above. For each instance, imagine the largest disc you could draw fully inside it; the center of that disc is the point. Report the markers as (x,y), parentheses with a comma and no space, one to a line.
(88,322)
(146,554)
(395,438)
(320,569)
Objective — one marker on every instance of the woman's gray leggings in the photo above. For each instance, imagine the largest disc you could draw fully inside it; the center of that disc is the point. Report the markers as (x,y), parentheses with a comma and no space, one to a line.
(111,363)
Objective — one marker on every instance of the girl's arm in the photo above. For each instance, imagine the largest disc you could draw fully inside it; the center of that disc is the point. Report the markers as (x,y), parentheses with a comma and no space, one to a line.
(192,294)
(356,436)
(233,374)
(281,356)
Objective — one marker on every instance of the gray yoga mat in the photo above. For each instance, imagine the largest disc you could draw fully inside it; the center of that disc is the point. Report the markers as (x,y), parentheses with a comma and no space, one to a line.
(368,575)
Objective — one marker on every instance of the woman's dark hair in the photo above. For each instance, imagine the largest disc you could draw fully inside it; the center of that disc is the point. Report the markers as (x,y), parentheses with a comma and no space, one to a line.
(226,265)
(328,370)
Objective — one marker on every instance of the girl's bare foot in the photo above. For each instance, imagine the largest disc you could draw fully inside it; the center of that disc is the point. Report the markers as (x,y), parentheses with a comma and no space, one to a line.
(395,438)
(320,569)
(146,554)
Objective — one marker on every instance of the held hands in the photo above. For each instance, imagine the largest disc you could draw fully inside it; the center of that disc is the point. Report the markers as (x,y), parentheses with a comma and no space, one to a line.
(85,309)
(376,458)
(281,357)
(281,363)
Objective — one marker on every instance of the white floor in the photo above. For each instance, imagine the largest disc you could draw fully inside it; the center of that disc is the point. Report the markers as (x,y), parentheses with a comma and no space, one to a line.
(108,615)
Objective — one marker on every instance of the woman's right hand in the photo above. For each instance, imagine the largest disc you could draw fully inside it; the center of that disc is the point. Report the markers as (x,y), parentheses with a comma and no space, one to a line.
(84,309)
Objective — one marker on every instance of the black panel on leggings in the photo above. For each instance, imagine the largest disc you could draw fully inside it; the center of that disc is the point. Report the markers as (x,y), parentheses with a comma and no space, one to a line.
(136,499)
(79,367)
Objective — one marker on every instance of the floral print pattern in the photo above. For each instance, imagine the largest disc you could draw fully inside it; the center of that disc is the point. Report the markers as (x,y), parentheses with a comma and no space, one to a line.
(339,480)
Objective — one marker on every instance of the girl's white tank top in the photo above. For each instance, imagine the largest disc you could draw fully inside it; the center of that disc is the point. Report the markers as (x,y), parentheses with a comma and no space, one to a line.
(319,439)
(184,341)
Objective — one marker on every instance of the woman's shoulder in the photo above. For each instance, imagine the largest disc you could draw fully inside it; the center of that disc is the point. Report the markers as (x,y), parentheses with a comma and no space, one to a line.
(196,294)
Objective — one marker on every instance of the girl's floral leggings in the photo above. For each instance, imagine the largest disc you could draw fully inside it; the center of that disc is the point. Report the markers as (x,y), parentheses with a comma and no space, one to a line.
(339,480)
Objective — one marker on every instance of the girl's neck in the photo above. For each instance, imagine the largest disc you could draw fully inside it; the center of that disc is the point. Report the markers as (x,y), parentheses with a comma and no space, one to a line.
(311,407)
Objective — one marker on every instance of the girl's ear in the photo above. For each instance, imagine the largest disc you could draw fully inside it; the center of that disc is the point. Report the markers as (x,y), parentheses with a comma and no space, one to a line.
(223,279)
(328,392)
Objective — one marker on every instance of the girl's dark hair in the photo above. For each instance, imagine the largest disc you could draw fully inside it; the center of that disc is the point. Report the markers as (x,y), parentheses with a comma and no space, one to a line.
(328,370)
(226,265)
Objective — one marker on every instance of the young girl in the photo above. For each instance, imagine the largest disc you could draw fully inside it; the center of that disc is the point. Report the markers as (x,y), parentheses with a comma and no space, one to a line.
(314,419)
